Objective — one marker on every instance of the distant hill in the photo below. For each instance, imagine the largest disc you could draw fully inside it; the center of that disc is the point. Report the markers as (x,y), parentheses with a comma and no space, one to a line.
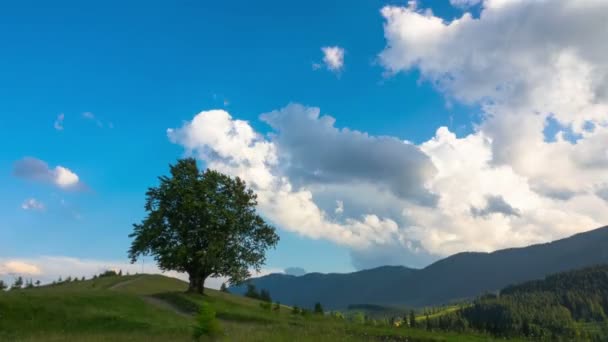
(460,276)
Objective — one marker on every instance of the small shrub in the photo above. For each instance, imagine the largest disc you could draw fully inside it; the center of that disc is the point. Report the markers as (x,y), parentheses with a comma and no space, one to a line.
(276,307)
(266,306)
(295,310)
(318,308)
(206,323)
(108,273)
(337,315)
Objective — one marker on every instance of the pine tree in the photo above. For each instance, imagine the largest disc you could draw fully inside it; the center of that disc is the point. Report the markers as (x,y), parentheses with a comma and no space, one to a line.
(252,292)
(265,296)
(17,284)
(318,308)
(412,319)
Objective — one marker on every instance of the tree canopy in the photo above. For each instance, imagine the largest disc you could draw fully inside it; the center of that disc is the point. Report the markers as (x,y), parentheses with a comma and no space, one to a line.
(204,224)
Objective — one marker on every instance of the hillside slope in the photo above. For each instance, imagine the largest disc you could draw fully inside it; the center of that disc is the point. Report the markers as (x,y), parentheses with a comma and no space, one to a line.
(461,276)
(155,308)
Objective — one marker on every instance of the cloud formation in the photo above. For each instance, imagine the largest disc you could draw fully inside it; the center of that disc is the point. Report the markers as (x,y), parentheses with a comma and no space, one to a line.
(32,204)
(58,125)
(524,63)
(333,58)
(37,170)
(292,197)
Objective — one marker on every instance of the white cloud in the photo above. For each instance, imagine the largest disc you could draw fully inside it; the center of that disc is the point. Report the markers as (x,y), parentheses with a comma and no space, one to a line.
(37,170)
(58,125)
(504,185)
(233,147)
(333,57)
(464,3)
(524,62)
(18,267)
(339,207)
(90,116)
(32,204)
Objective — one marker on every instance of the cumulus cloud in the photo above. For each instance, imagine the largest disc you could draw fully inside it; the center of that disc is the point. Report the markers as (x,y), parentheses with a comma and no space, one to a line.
(333,57)
(58,125)
(495,205)
(312,150)
(32,204)
(292,182)
(525,63)
(37,170)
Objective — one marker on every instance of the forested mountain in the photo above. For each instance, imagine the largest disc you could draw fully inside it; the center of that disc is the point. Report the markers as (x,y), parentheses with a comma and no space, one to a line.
(572,305)
(461,276)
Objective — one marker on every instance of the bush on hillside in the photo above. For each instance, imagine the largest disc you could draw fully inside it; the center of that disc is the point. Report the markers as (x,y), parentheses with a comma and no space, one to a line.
(206,322)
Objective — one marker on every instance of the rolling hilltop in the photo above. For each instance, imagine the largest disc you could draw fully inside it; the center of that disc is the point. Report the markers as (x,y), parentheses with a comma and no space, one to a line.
(155,308)
(460,276)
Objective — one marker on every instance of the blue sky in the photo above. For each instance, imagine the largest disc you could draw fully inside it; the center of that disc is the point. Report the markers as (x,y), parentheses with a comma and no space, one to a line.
(147,66)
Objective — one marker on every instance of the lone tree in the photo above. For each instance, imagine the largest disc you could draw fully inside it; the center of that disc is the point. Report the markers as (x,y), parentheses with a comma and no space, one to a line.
(204,224)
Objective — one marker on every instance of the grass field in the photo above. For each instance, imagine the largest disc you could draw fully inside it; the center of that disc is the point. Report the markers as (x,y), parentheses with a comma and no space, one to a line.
(155,308)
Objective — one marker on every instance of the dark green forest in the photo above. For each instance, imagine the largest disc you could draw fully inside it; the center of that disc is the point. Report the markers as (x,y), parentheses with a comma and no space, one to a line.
(564,306)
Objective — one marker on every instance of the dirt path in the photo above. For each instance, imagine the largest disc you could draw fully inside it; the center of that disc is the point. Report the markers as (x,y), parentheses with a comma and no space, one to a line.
(162,304)
(122,284)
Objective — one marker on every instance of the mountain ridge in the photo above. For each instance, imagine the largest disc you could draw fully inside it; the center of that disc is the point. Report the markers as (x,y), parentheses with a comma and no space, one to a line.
(460,276)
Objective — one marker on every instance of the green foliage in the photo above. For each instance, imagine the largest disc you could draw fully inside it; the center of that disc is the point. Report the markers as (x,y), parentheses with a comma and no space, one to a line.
(318,308)
(295,310)
(266,305)
(224,288)
(106,273)
(358,317)
(276,307)
(252,292)
(337,315)
(120,309)
(547,309)
(206,322)
(204,224)
(3,285)
(412,319)
(265,296)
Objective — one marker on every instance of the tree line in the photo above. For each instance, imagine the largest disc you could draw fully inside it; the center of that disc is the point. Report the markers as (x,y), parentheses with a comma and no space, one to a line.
(558,307)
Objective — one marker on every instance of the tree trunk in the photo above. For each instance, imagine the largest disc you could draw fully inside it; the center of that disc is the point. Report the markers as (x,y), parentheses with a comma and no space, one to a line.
(201,286)
(196,284)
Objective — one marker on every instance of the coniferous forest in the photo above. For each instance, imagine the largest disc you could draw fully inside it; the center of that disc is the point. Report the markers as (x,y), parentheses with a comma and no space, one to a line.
(569,305)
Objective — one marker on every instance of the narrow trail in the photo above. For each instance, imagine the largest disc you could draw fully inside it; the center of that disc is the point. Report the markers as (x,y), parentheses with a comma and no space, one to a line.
(122,284)
(152,300)
(165,305)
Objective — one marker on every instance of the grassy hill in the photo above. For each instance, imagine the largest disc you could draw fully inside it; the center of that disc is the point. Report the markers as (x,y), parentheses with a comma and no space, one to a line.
(155,308)
(455,278)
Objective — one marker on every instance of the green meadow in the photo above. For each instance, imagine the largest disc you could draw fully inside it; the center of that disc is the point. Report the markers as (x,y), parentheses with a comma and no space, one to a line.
(156,308)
